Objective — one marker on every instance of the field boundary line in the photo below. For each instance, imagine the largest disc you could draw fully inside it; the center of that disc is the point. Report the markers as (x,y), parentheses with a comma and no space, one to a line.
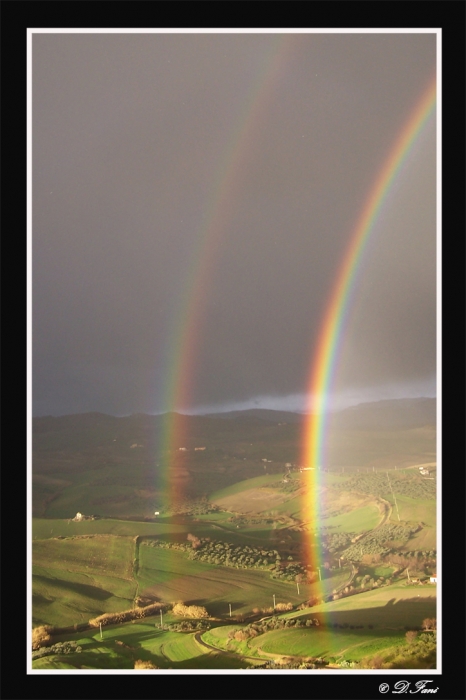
(218,650)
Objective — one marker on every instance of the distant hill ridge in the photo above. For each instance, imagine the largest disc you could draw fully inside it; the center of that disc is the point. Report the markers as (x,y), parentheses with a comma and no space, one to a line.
(386,414)
(262,414)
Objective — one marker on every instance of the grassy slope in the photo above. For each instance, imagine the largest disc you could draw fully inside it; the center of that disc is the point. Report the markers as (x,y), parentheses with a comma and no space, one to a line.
(388,607)
(358,520)
(309,642)
(76,579)
(245,484)
(324,643)
(71,581)
(144,641)
(108,556)
(388,610)
(44,529)
(417,509)
(171,576)
(61,598)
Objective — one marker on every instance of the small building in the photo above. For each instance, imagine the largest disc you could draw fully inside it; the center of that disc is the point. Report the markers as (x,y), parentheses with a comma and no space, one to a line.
(182,449)
(433,579)
(199,448)
(78,517)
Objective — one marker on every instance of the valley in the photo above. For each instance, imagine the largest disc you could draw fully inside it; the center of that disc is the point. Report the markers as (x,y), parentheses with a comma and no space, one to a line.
(228,548)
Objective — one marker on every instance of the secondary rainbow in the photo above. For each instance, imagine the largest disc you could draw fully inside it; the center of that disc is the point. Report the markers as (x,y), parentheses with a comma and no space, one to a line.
(325,357)
(186,333)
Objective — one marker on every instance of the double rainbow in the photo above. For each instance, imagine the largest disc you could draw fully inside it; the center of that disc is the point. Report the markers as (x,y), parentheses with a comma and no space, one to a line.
(325,358)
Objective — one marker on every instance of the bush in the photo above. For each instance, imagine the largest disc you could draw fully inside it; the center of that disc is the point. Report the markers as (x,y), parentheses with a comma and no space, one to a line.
(372,662)
(140,664)
(411,636)
(189,610)
(41,636)
(240,636)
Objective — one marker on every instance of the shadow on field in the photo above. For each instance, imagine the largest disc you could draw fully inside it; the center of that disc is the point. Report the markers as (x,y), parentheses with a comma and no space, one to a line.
(395,614)
(83,589)
(39,599)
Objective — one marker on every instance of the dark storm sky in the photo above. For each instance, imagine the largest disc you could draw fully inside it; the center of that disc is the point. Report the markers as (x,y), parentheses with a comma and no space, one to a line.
(130,132)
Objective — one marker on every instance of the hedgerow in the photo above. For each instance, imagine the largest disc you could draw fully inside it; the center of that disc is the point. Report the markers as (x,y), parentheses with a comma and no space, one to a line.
(58,648)
(189,626)
(239,557)
(126,615)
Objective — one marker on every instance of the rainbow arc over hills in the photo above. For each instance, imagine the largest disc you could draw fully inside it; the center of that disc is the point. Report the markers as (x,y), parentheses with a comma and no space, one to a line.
(187,329)
(325,358)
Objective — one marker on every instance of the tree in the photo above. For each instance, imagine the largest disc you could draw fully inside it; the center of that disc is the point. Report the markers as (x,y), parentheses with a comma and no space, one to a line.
(429,624)
(411,636)
(195,541)
(376,662)
(41,636)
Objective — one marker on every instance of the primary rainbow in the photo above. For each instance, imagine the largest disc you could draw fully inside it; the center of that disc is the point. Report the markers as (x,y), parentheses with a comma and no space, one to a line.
(324,361)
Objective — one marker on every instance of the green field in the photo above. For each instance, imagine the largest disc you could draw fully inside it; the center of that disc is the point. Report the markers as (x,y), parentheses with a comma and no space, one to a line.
(103,554)
(358,520)
(414,509)
(384,616)
(255,482)
(325,643)
(120,490)
(170,576)
(351,628)
(45,529)
(62,598)
(389,607)
(142,640)
(114,468)
(76,579)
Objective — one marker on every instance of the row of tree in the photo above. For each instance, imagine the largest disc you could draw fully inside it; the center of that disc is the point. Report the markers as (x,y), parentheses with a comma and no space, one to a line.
(377,484)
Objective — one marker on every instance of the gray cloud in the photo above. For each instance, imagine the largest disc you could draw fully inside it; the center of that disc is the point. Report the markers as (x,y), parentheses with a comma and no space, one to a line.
(131,134)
